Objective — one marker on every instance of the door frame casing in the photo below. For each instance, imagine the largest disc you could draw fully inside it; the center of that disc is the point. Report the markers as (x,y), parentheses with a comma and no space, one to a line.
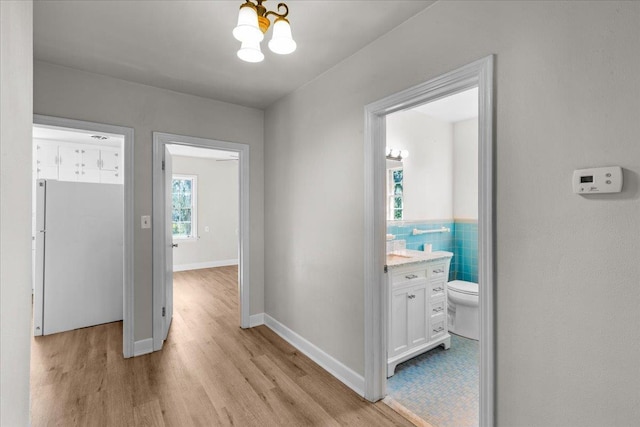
(476,74)
(128,217)
(160,139)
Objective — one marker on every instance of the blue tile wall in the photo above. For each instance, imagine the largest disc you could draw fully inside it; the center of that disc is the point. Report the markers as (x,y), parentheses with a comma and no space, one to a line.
(464,264)
(462,241)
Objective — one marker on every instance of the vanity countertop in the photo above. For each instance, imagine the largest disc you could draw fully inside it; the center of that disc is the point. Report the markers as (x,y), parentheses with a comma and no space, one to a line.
(408,256)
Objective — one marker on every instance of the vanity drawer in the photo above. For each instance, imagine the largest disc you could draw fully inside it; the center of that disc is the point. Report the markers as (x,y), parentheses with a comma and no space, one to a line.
(438,288)
(437,270)
(437,308)
(438,328)
(409,277)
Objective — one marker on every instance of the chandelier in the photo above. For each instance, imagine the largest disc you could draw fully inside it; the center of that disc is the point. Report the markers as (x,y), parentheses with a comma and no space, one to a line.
(253,23)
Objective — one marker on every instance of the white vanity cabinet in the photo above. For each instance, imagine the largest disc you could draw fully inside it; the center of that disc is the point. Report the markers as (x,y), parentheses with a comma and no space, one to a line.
(417,303)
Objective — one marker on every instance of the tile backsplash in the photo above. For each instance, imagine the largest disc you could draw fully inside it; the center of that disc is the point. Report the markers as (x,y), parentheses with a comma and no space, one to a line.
(462,240)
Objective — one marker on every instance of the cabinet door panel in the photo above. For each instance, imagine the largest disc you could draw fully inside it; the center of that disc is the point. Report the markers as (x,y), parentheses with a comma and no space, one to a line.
(110,177)
(110,160)
(89,175)
(90,159)
(418,303)
(47,155)
(399,337)
(68,163)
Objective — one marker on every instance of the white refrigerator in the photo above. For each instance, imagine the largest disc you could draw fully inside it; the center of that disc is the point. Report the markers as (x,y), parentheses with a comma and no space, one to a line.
(79,255)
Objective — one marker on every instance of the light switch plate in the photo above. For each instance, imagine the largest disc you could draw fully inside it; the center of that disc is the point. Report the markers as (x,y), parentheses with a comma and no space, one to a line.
(146,221)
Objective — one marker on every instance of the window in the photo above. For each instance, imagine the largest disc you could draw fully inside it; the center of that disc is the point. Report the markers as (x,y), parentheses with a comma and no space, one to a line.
(183,212)
(395,190)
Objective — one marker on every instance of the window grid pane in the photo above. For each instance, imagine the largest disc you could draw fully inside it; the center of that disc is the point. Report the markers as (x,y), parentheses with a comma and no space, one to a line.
(182,207)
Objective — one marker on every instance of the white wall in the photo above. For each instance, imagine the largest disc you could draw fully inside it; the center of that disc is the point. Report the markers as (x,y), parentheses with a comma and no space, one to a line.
(428,171)
(465,169)
(567,280)
(16,110)
(217,202)
(65,92)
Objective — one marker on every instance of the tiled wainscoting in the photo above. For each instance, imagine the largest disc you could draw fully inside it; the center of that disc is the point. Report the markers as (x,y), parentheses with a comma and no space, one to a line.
(462,240)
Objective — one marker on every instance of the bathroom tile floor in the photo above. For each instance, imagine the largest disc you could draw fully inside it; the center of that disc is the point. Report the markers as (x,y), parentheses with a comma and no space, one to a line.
(441,386)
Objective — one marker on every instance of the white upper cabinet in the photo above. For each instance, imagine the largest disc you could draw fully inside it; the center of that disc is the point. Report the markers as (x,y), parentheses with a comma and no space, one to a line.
(68,163)
(110,160)
(89,165)
(78,162)
(110,167)
(46,161)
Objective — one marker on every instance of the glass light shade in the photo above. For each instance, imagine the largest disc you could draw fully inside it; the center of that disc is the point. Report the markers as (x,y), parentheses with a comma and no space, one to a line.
(395,152)
(282,42)
(247,29)
(250,52)
(404,154)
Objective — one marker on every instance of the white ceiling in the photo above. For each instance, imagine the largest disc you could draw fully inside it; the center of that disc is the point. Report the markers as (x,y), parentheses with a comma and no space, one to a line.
(187,46)
(454,108)
(76,136)
(205,153)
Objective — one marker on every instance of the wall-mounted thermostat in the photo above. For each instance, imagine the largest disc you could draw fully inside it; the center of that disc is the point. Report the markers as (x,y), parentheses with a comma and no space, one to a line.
(597,180)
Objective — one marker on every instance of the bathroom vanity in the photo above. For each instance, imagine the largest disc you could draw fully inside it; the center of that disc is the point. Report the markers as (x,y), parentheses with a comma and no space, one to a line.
(417,304)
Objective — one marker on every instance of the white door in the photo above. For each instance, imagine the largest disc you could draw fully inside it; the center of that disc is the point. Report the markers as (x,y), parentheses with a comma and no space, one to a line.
(418,332)
(399,333)
(168,271)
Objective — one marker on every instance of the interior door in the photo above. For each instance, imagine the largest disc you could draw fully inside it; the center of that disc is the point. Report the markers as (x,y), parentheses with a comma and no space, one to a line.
(168,208)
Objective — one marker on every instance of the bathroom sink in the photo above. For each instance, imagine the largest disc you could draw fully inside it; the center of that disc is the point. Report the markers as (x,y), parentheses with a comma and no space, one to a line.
(397,257)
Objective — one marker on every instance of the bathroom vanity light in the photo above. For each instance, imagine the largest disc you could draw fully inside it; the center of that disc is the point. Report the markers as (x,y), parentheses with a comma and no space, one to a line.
(253,23)
(396,154)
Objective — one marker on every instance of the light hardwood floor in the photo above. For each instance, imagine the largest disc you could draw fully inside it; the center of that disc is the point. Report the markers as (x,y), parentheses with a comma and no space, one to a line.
(210,372)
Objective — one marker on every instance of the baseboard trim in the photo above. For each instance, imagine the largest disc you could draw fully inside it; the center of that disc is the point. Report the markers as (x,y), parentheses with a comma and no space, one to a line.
(142,347)
(346,375)
(208,264)
(256,320)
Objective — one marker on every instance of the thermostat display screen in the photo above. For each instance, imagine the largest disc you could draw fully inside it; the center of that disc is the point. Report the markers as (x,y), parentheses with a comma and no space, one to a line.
(586,179)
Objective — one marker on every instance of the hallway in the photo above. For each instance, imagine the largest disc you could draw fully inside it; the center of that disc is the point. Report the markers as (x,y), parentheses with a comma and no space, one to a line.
(210,372)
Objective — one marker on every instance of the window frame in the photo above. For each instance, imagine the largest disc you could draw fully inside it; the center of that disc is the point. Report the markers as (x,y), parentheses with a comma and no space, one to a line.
(391,196)
(194,207)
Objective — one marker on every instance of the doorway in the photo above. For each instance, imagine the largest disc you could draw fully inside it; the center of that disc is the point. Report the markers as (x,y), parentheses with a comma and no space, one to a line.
(163,235)
(477,74)
(86,278)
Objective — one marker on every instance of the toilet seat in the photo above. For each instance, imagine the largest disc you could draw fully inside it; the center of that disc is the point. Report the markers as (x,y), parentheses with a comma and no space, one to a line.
(463,287)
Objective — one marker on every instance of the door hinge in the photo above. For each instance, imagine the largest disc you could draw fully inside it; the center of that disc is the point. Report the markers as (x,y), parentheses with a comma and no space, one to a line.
(163,165)
(386,269)
(164,311)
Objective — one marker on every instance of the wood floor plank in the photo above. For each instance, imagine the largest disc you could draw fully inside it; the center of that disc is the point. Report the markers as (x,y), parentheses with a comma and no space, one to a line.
(209,373)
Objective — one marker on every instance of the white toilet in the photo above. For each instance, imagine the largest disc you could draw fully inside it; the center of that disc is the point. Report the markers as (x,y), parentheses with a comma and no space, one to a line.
(463,309)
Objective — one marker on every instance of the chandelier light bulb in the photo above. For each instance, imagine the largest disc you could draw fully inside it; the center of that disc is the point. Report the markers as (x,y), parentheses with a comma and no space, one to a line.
(395,152)
(387,151)
(250,52)
(404,154)
(247,29)
(281,42)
